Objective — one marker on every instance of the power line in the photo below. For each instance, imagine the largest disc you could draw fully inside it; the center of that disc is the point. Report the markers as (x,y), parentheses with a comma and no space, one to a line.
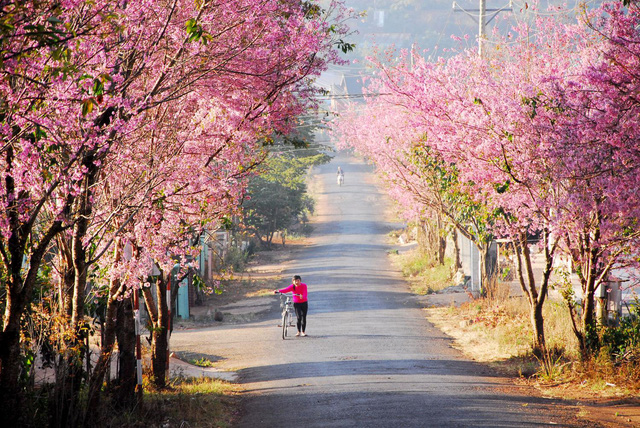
(446,23)
(524,7)
(352,96)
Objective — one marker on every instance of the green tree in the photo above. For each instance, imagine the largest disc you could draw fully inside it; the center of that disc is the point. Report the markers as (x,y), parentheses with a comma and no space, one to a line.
(277,199)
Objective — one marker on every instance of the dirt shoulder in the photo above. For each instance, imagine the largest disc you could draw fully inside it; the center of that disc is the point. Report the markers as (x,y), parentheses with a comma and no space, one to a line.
(607,404)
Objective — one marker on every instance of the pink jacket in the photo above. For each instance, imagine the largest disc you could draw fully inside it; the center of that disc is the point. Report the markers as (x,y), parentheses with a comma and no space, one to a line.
(300,289)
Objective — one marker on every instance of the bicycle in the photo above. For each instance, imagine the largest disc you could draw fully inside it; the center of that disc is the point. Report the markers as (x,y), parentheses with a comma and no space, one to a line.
(340,179)
(287,313)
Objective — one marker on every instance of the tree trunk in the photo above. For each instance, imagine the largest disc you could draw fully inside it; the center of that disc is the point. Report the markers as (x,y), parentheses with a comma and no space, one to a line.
(18,296)
(11,399)
(104,359)
(68,387)
(591,273)
(442,249)
(65,265)
(124,392)
(108,341)
(457,263)
(159,357)
(442,240)
(537,322)
(487,288)
(535,297)
(587,319)
(432,239)
(160,342)
(159,319)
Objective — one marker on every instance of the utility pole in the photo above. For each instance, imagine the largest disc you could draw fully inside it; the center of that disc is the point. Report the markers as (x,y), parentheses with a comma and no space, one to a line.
(482,20)
(482,26)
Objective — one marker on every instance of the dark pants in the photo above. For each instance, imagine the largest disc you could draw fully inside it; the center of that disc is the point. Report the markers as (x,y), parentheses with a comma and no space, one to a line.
(301,314)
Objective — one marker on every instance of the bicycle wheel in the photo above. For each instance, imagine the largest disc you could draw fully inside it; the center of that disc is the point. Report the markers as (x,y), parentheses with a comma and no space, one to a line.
(284,324)
(291,321)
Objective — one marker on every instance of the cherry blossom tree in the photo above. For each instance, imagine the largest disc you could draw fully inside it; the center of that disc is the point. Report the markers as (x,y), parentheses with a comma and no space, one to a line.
(253,102)
(48,146)
(532,141)
(83,98)
(599,219)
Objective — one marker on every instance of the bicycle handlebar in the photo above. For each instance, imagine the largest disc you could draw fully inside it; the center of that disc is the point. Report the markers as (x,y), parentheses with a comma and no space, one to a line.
(287,294)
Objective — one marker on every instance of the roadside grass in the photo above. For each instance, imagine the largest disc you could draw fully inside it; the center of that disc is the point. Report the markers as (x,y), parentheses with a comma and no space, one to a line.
(603,376)
(486,332)
(202,362)
(263,291)
(424,274)
(499,334)
(193,402)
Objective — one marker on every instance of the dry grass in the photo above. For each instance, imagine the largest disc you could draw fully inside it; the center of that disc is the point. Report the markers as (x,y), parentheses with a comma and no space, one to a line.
(603,377)
(500,334)
(485,332)
(423,274)
(262,292)
(201,402)
(498,331)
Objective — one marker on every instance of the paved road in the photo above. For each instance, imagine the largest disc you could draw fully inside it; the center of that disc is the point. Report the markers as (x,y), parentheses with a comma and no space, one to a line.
(371,359)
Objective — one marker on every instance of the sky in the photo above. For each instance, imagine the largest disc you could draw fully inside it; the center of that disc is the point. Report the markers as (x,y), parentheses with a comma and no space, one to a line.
(431,24)
(434,27)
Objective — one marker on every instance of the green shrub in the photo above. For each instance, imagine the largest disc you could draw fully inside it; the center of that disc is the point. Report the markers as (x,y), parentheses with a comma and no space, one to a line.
(236,258)
(428,275)
(416,263)
(623,340)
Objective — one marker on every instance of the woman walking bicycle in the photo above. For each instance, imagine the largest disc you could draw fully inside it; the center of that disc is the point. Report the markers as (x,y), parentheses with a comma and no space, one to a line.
(300,304)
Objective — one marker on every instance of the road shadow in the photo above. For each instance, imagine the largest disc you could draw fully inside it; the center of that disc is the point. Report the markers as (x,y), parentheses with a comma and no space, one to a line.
(469,371)
(353,227)
(373,407)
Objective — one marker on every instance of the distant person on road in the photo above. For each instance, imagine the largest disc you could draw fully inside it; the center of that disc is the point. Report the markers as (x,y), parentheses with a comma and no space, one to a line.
(340,176)
(300,304)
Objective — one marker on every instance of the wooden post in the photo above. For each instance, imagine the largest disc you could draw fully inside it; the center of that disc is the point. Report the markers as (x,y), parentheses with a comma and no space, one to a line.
(136,314)
(601,304)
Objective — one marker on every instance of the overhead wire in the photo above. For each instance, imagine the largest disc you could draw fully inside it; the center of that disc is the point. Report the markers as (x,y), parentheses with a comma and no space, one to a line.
(444,27)
(524,5)
(462,31)
(521,10)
